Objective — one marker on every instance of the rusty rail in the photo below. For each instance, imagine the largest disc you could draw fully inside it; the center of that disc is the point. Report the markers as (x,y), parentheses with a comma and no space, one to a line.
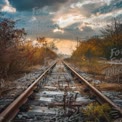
(101,96)
(10,112)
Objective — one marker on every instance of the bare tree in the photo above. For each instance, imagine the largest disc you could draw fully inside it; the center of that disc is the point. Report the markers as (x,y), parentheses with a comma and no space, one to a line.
(113,31)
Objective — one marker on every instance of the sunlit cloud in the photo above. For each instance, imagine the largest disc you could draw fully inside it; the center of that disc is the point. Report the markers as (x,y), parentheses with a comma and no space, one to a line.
(82,3)
(8,8)
(107,1)
(52,13)
(118,12)
(100,20)
(82,16)
(67,20)
(94,21)
(58,30)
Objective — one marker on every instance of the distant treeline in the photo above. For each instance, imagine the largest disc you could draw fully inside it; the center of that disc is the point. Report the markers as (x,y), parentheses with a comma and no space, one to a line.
(108,47)
(15,53)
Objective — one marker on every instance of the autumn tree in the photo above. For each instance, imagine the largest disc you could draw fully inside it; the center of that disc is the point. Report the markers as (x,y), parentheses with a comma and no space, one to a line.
(10,38)
(47,49)
(112,34)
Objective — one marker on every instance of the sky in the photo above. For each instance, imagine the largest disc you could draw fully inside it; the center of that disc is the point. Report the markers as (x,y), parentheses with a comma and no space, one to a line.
(62,19)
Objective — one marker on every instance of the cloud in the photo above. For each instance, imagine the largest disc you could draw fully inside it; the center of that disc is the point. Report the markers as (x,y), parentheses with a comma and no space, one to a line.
(58,30)
(69,23)
(84,3)
(65,19)
(112,6)
(25,5)
(33,19)
(8,8)
(101,20)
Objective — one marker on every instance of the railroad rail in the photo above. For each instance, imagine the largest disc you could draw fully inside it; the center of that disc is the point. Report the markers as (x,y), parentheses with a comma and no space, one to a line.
(100,97)
(10,112)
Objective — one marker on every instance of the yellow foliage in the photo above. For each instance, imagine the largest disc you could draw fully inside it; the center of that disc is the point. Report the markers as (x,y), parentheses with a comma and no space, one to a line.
(95,111)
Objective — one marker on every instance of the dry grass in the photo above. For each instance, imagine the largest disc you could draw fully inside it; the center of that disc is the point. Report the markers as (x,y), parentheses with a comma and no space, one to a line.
(96,68)
(110,86)
(9,84)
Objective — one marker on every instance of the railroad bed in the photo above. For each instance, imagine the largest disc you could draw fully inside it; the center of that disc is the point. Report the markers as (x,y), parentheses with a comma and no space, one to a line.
(18,87)
(58,97)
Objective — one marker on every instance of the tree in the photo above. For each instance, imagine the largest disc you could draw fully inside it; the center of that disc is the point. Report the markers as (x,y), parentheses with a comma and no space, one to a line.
(10,38)
(112,37)
(113,32)
(52,46)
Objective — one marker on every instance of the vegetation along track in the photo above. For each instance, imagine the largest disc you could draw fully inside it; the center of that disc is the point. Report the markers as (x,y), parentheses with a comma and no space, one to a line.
(60,94)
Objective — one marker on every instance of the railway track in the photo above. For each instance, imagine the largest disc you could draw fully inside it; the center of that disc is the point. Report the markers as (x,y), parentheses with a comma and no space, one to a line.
(58,95)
